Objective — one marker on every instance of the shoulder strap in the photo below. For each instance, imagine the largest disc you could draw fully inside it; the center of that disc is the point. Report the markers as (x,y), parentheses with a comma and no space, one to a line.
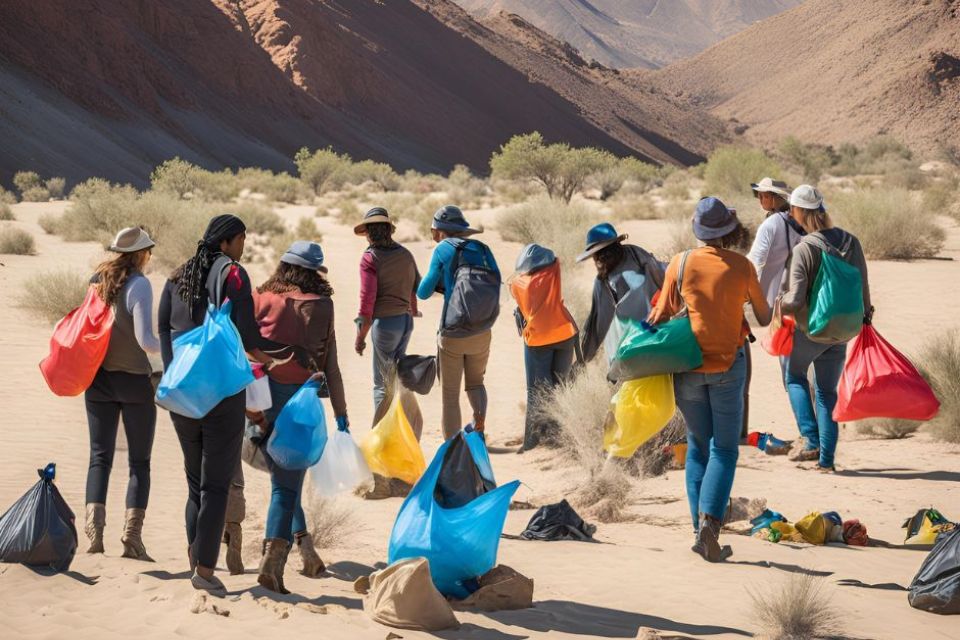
(215,287)
(819,241)
(680,270)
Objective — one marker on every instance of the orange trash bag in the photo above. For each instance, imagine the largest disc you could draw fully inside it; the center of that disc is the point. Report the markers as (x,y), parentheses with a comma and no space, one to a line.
(391,448)
(779,338)
(880,382)
(78,346)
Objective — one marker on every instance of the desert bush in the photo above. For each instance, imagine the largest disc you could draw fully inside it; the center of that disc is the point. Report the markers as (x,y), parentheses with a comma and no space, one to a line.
(624,208)
(419,183)
(50,223)
(332,521)
(887,428)
(323,169)
(7,197)
(56,186)
(879,218)
(881,155)
(939,363)
(379,173)
(99,209)
(16,242)
(176,176)
(681,238)
(676,189)
(307,229)
(464,188)
(277,187)
(343,209)
(26,180)
(812,160)
(731,170)
(561,169)
(6,213)
(796,609)
(259,218)
(941,196)
(515,191)
(558,226)
(36,194)
(50,295)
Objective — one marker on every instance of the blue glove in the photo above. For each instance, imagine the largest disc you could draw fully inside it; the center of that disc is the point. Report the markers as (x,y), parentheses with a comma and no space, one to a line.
(343,424)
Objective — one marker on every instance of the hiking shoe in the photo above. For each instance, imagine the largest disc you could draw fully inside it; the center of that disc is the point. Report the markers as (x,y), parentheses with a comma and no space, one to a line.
(805,455)
(708,540)
(782,450)
(210,584)
(822,469)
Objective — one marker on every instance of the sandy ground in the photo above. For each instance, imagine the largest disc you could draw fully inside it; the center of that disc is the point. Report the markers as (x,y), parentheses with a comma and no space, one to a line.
(643,575)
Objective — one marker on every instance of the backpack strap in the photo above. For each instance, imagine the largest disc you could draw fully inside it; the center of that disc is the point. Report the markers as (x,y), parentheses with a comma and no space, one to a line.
(680,270)
(217,278)
(820,242)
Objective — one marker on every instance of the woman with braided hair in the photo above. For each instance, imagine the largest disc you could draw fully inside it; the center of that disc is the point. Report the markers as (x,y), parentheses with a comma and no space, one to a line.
(211,444)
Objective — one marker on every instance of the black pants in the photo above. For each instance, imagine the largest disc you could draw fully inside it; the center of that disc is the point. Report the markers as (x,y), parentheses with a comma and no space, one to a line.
(115,394)
(211,455)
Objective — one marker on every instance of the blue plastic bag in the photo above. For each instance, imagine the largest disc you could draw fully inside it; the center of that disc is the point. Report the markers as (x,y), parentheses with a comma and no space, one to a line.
(300,431)
(461,543)
(209,365)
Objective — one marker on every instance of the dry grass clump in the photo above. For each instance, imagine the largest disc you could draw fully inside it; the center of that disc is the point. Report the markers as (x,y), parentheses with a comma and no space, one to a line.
(797,609)
(465,189)
(50,295)
(942,197)
(655,457)
(681,239)
(259,218)
(7,197)
(878,217)
(887,428)
(16,242)
(625,207)
(605,495)
(6,213)
(939,363)
(50,223)
(558,226)
(307,229)
(331,521)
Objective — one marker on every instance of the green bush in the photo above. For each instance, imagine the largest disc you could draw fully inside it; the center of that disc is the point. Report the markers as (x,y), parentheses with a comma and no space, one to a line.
(26,180)
(279,187)
(260,219)
(16,242)
(559,227)
(939,363)
(176,176)
(100,209)
(323,169)
(6,213)
(811,159)
(36,194)
(378,173)
(890,223)
(55,187)
(50,295)
(731,170)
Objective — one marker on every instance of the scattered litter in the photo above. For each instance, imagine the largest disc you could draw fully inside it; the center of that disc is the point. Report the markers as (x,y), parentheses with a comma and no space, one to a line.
(558,522)
(925,526)
(936,587)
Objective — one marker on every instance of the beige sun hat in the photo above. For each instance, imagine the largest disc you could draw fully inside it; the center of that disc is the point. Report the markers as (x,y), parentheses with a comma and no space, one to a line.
(377,214)
(130,240)
(769,185)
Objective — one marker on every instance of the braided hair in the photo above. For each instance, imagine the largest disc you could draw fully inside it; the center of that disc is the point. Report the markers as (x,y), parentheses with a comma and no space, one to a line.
(191,276)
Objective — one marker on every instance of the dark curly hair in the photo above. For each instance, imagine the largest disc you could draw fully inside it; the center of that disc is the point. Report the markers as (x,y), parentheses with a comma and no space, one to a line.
(290,277)
(608,258)
(738,239)
(380,234)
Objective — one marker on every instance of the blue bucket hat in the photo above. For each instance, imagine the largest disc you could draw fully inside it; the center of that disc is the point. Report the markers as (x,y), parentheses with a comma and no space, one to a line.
(534,257)
(599,237)
(449,218)
(712,219)
(308,255)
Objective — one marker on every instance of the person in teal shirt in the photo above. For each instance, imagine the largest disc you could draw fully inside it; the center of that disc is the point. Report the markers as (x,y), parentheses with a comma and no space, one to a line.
(462,359)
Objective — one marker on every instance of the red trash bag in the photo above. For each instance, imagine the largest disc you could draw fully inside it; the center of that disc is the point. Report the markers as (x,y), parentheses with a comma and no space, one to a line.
(78,346)
(879,382)
(779,338)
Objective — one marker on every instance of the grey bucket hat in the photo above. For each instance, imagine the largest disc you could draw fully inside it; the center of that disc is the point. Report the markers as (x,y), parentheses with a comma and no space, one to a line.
(308,255)
(449,218)
(712,219)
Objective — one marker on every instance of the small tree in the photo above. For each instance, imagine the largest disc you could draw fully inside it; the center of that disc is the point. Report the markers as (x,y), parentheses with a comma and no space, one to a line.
(26,180)
(321,169)
(731,170)
(812,159)
(176,176)
(561,169)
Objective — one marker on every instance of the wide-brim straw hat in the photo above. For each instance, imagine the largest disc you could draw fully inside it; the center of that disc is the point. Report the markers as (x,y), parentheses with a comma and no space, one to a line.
(769,185)
(131,240)
(375,215)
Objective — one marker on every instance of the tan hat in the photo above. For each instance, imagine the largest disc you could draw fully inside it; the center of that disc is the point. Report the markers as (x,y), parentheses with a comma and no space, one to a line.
(130,240)
(377,214)
(769,185)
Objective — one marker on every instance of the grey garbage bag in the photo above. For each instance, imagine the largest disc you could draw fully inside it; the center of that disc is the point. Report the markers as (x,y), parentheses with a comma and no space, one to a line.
(936,587)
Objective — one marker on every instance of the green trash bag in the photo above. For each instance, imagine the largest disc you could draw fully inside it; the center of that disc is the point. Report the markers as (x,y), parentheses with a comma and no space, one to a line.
(645,350)
(836,300)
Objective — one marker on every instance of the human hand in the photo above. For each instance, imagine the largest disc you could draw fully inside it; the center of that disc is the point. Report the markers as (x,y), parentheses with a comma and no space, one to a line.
(359,345)
(343,424)
(258,418)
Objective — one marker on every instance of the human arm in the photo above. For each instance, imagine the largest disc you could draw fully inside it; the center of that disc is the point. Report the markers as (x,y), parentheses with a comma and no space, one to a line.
(761,309)
(434,274)
(331,370)
(368,297)
(860,262)
(761,244)
(238,289)
(670,301)
(139,303)
(801,266)
(163,324)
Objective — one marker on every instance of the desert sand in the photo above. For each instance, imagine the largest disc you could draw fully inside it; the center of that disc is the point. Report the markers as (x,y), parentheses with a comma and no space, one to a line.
(642,575)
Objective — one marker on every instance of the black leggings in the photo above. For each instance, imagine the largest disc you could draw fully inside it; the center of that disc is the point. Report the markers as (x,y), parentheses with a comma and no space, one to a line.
(211,455)
(113,395)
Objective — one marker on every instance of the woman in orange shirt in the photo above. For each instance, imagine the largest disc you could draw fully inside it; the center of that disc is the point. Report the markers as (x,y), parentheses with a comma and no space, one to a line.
(712,283)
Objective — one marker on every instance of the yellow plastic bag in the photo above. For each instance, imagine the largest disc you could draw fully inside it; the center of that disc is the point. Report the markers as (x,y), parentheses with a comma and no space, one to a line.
(391,449)
(813,528)
(788,533)
(641,409)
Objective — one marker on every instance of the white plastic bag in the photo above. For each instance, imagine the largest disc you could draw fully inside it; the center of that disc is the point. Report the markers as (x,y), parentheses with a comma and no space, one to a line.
(258,392)
(341,467)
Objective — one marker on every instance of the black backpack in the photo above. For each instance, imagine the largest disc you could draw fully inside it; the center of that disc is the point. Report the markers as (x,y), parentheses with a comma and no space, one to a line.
(474,303)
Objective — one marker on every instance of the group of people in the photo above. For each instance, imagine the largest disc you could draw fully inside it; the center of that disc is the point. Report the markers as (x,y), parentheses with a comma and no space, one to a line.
(287,328)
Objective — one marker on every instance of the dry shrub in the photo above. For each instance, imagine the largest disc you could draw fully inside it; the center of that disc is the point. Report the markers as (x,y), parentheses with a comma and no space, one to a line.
(797,609)
(50,223)
(655,457)
(465,189)
(677,187)
(50,295)
(259,218)
(55,187)
(681,239)
(878,217)
(558,226)
(605,495)
(6,213)
(7,197)
(413,208)
(731,170)
(331,521)
(939,363)
(307,229)
(515,191)
(343,209)
(36,194)
(625,207)
(17,242)
(942,196)
(887,428)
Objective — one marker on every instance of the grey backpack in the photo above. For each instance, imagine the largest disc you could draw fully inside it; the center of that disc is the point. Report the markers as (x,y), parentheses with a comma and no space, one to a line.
(474,303)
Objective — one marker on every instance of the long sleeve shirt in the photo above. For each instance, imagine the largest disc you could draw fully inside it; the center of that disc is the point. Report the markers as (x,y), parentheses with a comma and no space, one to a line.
(776,237)
(440,275)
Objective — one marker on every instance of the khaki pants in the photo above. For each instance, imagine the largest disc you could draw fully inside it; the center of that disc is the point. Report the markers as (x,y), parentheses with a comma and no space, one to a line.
(462,359)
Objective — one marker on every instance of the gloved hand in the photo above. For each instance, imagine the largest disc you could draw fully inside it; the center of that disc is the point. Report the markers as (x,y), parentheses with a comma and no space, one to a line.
(868,316)
(343,424)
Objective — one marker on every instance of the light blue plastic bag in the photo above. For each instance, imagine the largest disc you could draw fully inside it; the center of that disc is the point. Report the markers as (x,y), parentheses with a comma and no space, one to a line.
(209,365)
(460,544)
(300,431)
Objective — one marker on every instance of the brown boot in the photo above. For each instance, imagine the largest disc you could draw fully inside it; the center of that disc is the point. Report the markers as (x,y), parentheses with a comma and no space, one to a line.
(275,552)
(708,540)
(96,521)
(233,536)
(131,539)
(312,564)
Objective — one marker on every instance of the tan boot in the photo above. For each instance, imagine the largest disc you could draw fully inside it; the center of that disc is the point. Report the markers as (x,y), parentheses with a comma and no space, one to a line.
(275,552)
(233,536)
(131,539)
(312,564)
(96,521)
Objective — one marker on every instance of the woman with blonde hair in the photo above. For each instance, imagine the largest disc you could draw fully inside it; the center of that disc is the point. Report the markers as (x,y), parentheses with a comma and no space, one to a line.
(122,388)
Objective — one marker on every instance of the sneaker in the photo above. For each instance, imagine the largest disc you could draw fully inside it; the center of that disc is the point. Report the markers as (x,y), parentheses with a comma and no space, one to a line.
(210,584)
(805,455)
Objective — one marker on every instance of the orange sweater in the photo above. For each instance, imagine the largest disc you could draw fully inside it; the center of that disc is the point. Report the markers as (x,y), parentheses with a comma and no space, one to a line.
(716,285)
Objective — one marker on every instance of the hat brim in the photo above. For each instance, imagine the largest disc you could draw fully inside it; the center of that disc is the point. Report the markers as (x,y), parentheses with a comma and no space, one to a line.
(137,247)
(454,228)
(757,190)
(600,246)
(361,228)
(712,233)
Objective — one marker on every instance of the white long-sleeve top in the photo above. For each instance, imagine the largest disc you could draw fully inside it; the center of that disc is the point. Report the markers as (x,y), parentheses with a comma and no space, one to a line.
(770,252)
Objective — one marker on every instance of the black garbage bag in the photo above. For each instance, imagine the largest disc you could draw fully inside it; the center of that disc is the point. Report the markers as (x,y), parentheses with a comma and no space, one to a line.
(936,587)
(461,479)
(558,521)
(38,530)
(417,373)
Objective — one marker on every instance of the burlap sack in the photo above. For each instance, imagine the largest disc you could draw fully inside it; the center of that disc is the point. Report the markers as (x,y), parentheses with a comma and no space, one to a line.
(403,596)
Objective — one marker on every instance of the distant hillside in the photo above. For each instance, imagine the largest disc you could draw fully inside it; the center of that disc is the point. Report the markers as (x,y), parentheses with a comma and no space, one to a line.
(636,33)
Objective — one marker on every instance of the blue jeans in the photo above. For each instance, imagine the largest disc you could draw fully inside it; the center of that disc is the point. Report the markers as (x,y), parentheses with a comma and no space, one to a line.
(546,367)
(712,405)
(389,337)
(817,426)
(285,515)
